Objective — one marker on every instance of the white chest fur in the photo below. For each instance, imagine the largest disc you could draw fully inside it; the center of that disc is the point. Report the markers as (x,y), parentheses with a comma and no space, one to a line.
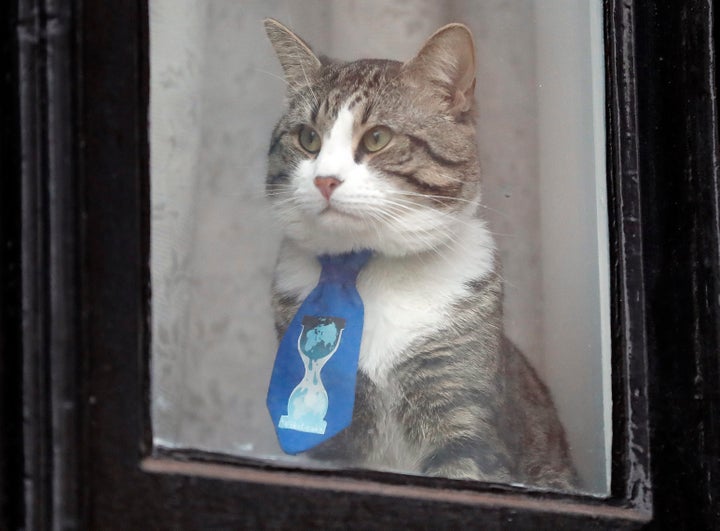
(405,297)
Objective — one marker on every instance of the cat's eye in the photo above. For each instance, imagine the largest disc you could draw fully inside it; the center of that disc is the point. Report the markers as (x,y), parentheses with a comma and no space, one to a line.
(309,139)
(377,138)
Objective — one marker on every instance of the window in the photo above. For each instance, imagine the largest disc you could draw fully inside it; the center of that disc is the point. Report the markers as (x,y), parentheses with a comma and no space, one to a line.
(83,243)
(541,132)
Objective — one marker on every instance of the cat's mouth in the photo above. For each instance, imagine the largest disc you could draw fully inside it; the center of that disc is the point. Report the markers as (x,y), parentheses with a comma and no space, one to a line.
(331,211)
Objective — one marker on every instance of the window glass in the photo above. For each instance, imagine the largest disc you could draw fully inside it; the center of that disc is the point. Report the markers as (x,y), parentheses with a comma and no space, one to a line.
(216,92)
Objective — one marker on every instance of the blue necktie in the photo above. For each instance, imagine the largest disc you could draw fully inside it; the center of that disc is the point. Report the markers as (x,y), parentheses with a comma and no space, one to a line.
(312,387)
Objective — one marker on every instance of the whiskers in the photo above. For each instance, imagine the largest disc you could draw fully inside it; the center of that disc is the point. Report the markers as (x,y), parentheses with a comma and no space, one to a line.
(278,190)
(294,88)
(419,228)
(392,222)
(441,201)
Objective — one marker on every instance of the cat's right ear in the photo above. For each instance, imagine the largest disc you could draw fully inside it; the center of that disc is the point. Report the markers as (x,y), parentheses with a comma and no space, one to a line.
(296,58)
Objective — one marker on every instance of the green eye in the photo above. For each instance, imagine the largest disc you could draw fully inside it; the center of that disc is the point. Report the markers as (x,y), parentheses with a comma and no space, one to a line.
(377,138)
(309,139)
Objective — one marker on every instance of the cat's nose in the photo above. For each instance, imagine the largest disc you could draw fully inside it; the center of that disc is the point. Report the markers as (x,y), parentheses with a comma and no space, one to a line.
(327,185)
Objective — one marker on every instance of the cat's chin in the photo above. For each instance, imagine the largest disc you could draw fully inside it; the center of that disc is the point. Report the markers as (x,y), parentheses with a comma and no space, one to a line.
(333,231)
(337,242)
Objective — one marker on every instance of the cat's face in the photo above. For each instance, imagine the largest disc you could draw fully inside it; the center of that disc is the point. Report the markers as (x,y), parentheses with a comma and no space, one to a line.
(375,154)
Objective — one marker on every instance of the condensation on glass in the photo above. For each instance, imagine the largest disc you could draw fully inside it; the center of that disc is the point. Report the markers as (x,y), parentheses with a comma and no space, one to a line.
(216,91)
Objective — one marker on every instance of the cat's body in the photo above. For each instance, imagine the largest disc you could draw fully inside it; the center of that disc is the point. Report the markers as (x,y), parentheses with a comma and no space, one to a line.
(381,155)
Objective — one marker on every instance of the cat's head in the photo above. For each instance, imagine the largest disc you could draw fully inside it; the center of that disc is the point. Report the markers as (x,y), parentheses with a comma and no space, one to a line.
(375,154)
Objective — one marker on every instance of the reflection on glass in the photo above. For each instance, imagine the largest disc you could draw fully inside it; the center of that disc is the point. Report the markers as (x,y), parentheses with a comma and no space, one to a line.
(217,91)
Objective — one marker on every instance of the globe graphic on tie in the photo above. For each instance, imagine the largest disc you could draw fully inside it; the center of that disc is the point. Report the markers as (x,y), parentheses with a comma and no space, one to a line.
(308,403)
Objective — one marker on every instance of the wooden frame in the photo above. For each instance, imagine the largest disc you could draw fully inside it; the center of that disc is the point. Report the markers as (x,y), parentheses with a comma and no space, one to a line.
(81,237)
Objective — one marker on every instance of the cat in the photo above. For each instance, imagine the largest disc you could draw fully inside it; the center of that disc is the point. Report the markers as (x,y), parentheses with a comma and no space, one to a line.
(382,155)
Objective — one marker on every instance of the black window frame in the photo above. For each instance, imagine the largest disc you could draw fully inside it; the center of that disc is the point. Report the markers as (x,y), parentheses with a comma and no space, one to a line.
(76,302)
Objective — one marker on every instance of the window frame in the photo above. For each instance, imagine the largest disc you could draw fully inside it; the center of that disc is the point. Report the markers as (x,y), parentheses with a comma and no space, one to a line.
(83,246)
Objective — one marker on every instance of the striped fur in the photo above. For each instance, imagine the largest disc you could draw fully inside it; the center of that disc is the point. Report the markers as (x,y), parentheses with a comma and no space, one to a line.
(440,390)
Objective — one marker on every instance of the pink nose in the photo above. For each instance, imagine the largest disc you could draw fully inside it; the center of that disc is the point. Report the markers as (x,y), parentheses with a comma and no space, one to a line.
(327,185)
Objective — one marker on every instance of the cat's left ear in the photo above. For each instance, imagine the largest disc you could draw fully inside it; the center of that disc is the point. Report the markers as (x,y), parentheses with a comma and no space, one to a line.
(296,58)
(447,62)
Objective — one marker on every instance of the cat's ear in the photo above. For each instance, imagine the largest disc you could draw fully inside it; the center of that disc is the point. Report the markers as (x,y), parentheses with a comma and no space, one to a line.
(447,62)
(296,58)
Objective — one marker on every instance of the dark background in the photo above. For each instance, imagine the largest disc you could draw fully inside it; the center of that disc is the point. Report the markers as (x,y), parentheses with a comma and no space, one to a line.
(11,468)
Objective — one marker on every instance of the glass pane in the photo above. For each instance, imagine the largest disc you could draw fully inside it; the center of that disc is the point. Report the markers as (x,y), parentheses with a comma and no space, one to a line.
(217,91)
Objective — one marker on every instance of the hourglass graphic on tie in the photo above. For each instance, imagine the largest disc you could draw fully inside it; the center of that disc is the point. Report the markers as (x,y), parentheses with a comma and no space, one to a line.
(308,403)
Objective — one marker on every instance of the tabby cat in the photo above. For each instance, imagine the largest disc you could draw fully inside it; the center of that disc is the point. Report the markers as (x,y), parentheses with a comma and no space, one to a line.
(381,155)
